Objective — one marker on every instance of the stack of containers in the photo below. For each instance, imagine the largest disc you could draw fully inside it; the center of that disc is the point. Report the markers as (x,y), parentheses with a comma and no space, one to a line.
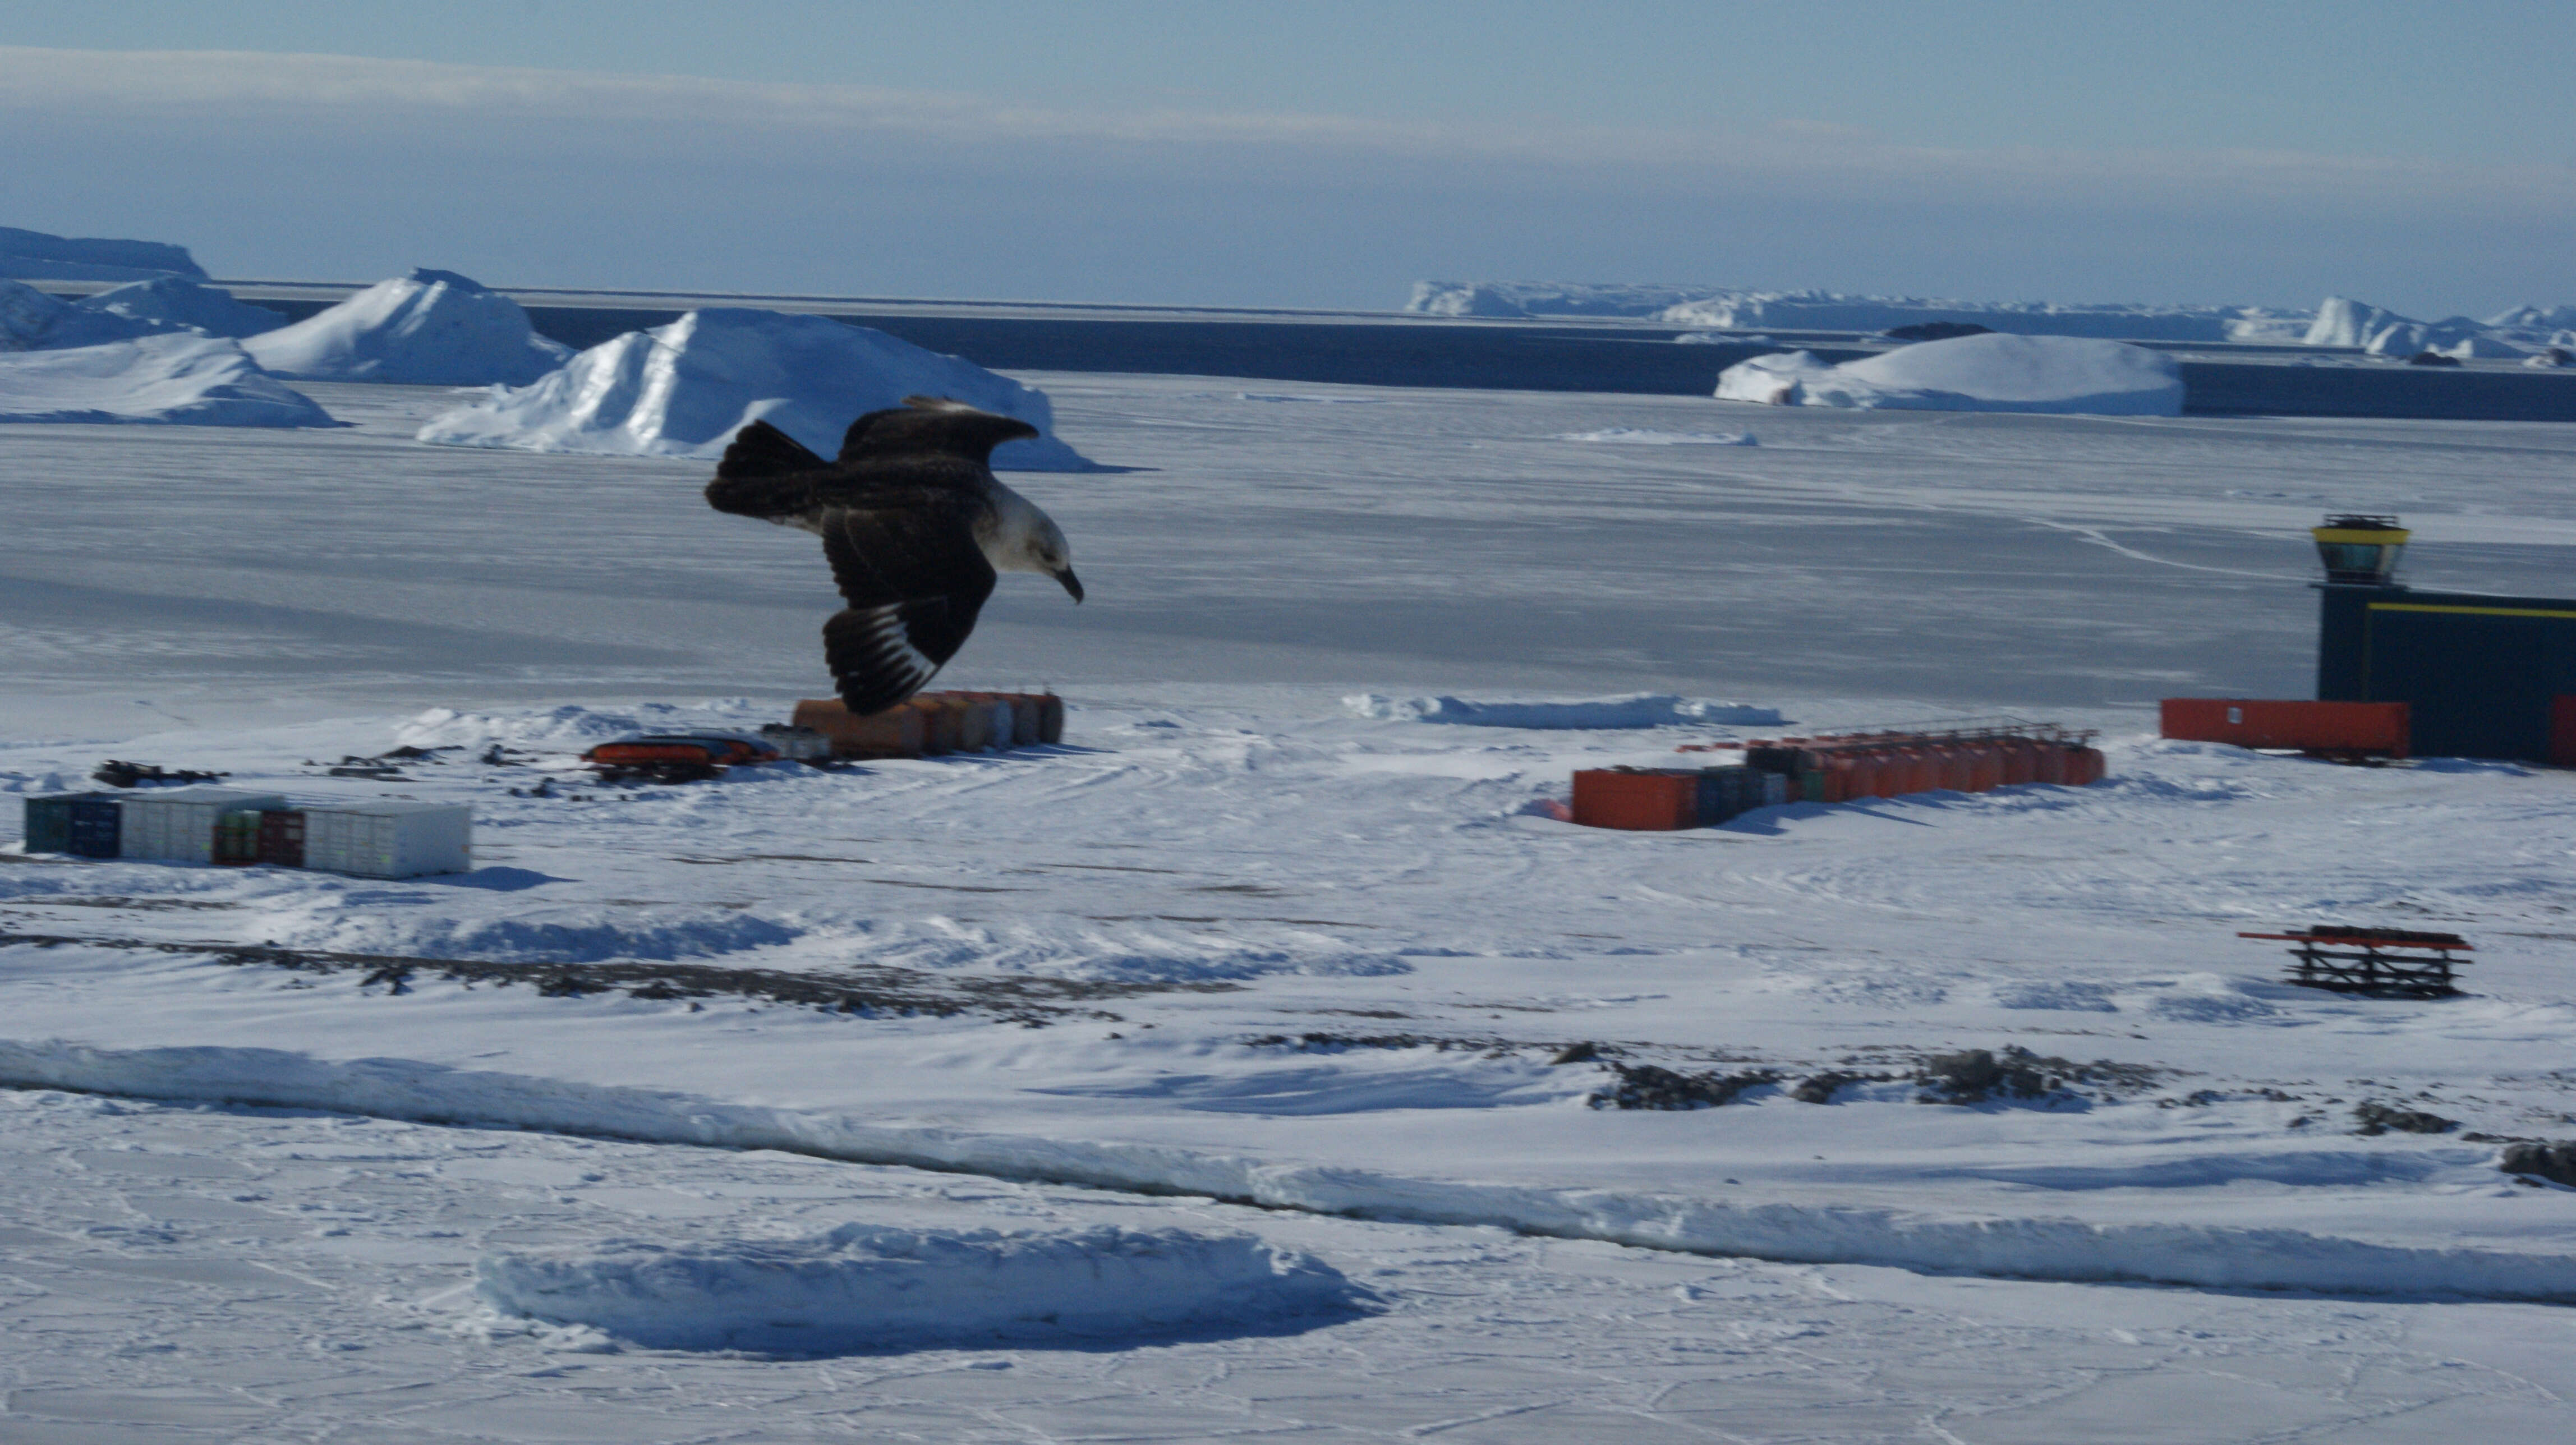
(388,839)
(178,825)
(1840,769)
(933,723)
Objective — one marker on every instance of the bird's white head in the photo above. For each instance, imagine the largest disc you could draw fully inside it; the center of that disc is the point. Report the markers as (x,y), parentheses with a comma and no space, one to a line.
(1028,540)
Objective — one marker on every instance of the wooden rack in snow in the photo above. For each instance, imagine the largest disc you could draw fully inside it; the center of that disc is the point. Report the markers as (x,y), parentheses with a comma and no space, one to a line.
(2387,962)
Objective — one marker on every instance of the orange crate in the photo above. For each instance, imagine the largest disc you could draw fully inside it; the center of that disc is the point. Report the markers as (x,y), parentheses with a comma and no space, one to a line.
(2376,728)
(1637,802)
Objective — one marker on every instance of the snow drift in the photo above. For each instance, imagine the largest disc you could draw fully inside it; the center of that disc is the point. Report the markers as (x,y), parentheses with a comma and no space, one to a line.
(682,390)
(175,303)
(2215,1256)
(1638,710)
(38,256)
(180,378)
(868,1286)
(431,328)
(1972,373)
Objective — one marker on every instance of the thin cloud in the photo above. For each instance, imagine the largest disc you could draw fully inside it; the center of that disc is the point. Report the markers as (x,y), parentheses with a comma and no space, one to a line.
(1791,154)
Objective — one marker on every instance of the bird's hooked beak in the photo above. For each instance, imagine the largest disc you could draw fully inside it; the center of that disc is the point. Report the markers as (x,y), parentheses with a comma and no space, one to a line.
(1071,583)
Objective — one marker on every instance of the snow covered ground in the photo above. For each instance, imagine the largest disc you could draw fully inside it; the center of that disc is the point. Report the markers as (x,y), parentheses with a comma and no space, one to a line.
(1241,939)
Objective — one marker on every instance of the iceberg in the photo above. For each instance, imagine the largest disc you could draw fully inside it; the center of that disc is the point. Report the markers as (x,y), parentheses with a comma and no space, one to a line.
(684,389)
(431,328)
(180,378)
(175,303)
(1972,373)
(1544,298)
(30,320)
(38,256)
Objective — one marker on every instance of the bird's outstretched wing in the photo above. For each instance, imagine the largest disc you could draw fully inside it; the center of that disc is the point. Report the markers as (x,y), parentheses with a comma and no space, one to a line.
(914,577)
(932,424)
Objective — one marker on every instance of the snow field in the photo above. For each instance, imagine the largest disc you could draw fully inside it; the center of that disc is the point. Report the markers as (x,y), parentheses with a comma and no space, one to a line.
(189,1273)
(842,1291)
(1235,936)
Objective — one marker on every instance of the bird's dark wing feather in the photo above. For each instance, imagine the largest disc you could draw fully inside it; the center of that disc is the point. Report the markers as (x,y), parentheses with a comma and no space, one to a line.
(932,424)
(764,473)
(914,578)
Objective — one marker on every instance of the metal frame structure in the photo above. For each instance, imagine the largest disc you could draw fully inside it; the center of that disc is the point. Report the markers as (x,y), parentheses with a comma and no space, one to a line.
(2381,962)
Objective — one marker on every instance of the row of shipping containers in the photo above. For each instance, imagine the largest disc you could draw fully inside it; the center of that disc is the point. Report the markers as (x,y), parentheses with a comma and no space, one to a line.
(385,839)
(1833,769)
(931,723)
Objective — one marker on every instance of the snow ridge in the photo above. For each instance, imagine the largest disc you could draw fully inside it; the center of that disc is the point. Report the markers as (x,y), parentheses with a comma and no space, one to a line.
(2207,1256)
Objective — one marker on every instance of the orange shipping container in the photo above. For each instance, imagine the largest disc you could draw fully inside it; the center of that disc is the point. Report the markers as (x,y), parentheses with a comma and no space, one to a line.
(1637,802)
(894,733)
(2333,727)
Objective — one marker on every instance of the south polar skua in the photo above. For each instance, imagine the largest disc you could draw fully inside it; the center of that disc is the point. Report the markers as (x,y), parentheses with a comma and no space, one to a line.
(916,528)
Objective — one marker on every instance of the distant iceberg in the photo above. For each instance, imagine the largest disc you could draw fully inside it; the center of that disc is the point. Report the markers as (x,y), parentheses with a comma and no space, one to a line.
(1732,309)
(1972,373)
(30,320)
(682,390)
(430,328)
(177,379)
(1634,710)
(175,303)
(36,256)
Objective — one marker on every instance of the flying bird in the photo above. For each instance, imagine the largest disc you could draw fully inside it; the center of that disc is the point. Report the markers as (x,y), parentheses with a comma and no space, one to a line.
(915,527)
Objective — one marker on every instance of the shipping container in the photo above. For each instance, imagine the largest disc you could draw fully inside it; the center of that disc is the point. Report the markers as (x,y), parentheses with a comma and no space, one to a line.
(2379,729)
(1022,727)
(281,837)
(50,821)
(1637,800)
(901,731)
(389,839)
(938,725)
(2052,765)
(177,825)
(237,838)
(796,742)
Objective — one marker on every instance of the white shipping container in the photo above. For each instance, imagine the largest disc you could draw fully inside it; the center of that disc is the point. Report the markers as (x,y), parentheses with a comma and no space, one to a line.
(389,839)
(178,824)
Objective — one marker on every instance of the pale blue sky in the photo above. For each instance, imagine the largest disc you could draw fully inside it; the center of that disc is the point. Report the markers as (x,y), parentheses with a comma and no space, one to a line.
(1327,152)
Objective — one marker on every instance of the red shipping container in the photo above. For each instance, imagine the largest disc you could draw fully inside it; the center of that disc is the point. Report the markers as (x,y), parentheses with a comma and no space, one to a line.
(2376,728)
(2021,762)
(1636,801)
(1985,766)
